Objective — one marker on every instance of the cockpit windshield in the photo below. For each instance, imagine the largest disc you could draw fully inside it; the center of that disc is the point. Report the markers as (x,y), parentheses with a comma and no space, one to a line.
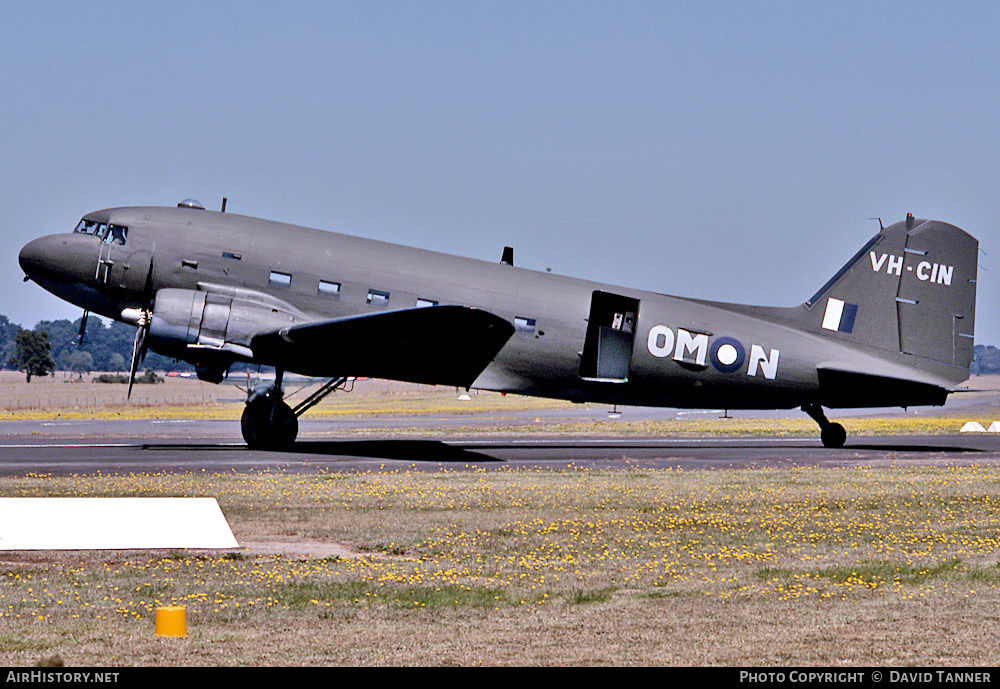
(92,227)
(109,234)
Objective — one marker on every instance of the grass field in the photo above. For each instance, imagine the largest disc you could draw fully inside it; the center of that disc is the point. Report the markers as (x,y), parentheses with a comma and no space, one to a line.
(879,565)
(888,566)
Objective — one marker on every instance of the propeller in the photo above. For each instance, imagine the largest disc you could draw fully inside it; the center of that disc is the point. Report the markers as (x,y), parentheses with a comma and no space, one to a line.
(142,318)
(138,347)
(83,327)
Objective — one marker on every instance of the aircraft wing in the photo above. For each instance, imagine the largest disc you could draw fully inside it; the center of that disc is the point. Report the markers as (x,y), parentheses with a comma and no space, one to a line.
(438,345)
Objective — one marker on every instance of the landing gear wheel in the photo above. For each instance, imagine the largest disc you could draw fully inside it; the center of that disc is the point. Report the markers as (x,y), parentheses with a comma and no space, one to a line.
(268,424)
(833,435)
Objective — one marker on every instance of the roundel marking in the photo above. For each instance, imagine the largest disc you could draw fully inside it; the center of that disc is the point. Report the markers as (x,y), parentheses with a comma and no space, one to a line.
(727,354)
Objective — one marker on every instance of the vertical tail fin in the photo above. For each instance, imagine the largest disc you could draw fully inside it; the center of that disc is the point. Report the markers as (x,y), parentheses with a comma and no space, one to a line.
(911,289)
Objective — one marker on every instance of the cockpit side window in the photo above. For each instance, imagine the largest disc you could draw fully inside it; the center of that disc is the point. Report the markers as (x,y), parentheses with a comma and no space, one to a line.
(116,235)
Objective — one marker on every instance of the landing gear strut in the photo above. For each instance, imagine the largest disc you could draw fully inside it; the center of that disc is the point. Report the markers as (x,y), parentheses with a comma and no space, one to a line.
(268,422)
(832,434)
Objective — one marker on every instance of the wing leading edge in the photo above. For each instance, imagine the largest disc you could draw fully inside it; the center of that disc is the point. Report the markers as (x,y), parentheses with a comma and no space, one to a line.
(437,345)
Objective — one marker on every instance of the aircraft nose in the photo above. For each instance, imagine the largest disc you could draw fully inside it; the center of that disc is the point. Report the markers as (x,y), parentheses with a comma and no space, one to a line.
(32,256)
(56,256)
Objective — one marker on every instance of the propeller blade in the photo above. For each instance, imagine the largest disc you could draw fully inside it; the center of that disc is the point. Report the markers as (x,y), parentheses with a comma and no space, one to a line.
(135,359)
(138,350)
(148,287)
(83,327)
(145,316)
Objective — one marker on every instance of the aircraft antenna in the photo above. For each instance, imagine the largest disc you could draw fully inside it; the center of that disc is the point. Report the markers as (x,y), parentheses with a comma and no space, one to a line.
(224,200)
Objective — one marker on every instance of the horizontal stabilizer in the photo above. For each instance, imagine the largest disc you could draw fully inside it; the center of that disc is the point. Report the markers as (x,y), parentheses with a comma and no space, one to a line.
(839,389)
(435,345)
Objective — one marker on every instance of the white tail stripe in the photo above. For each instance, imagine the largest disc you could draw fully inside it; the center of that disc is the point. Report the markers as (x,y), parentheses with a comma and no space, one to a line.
(834,310)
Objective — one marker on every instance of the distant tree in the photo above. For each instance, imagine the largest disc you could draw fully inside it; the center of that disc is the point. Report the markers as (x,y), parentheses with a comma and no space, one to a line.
(8,331)
(116,362)
(986,359)
(32,354)
(81,362)
(149,377)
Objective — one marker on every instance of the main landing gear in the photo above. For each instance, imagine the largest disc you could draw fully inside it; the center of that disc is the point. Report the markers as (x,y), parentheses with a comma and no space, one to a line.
(832,434)
(268,422)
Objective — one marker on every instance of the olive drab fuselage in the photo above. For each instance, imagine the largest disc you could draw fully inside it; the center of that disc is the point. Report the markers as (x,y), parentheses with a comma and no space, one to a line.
(893,327)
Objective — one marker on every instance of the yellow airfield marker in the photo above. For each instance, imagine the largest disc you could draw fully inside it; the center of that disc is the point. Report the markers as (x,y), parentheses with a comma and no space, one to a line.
(171,621)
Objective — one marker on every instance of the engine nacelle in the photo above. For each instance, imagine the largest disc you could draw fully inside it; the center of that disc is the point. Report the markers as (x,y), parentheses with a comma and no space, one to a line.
(212,327)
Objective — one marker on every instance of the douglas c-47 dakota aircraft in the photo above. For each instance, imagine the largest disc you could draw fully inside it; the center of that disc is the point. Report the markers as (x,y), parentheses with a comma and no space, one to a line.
(893,327)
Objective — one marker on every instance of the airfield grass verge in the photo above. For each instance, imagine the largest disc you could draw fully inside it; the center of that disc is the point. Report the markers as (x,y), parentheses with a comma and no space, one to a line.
(868,566)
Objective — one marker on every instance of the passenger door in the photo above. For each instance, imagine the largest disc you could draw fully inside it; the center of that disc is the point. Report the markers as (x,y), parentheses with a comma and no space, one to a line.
(607,350)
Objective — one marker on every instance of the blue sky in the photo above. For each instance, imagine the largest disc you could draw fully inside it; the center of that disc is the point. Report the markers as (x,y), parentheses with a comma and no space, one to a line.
(729,151)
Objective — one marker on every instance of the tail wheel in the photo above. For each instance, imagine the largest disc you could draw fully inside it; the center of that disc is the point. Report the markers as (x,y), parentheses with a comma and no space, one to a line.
(833,435)
(269,424)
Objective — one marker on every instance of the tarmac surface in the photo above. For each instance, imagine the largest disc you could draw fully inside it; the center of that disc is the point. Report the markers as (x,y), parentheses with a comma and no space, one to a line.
(476,440)
(90,447)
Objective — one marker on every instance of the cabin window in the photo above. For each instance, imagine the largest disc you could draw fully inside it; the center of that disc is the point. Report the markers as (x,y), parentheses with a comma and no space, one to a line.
(329,289)
(232,255)
(377,297)
(279,279)
(421,303)
(524,325)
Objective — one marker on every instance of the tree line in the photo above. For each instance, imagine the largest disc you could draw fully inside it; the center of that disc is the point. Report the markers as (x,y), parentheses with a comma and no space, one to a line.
(56,345)
(985,359)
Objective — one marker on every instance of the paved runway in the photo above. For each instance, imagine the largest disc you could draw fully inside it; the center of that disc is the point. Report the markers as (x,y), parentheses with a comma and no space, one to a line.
(88,447)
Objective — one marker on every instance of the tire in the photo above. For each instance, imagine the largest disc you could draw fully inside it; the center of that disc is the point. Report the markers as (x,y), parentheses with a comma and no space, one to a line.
(833,435)
(267,424)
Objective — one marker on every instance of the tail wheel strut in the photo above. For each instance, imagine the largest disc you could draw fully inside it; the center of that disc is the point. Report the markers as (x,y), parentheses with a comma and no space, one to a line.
(831,434)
